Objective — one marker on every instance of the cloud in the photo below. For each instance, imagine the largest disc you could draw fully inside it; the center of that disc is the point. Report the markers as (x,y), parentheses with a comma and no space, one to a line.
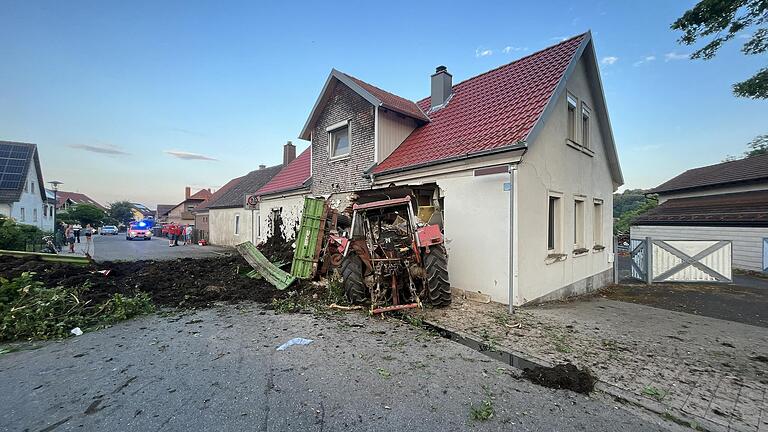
(508,49)
(107,149)
(675,56)
(646,59)
(188,156)
(479,52)
(609,60)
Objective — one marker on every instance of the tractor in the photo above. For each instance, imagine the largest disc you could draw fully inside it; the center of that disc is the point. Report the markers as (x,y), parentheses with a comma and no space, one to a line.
(391,259)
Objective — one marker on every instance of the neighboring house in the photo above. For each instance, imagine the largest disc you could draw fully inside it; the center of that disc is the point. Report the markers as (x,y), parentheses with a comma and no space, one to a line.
(284,195)
(520,163)
(229,223)
(67,200)
(140,212)
(161,213)
(183,212)
(202,224)
(726,201)
(22,189)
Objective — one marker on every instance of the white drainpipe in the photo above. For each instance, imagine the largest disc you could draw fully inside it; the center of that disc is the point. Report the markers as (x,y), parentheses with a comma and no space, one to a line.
(512,236)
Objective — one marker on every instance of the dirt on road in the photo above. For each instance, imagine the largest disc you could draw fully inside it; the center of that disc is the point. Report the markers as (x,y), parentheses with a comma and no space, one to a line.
(185,283)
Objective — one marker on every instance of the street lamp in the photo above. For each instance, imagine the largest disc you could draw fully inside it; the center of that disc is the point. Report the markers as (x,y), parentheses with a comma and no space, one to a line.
(55,185)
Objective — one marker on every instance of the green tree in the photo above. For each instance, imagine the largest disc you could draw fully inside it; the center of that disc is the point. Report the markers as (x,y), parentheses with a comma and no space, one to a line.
(86,214)
(723,20)
(122,211)
(628,200)
(15,236)
(757,146)
(621,226)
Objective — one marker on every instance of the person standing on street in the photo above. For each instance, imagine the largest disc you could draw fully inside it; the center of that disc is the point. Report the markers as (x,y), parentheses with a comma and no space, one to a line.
(76,229)
(171,234)
(89,250)
(188,235)
(69,234)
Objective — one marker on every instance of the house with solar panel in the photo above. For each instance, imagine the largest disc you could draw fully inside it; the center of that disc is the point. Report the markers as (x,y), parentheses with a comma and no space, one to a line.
(517,165)
(22,189)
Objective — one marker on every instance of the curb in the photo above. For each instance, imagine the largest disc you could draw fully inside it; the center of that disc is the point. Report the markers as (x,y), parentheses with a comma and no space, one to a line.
(521,360)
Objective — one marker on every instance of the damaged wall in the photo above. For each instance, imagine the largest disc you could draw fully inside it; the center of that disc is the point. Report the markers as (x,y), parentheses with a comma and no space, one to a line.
(290,207)
(552,166)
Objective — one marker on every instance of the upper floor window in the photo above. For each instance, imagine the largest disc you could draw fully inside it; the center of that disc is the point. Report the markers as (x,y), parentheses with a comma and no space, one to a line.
(585,114)
(339,139)
(22,214)
(34,215)
(32,187)
(572,104)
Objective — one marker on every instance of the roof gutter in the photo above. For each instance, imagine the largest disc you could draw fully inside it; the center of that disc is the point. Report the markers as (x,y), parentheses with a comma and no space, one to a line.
(520,145)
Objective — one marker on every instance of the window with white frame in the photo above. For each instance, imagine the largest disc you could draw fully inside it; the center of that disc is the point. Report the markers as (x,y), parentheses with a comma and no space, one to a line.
(339,141)
(578,223)
(34,215)
(22,214)
(572,104)
(237,224)
(554,223)
(597,222)
(45,211)
(585,115)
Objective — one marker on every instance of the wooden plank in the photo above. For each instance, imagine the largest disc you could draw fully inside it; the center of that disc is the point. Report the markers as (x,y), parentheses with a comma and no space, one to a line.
(47,257)
(271,273)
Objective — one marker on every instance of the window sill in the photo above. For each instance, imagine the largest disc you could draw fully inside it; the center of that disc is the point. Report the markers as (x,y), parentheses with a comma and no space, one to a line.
(576,146)
(338,158)
(598,248)
(555,257)
(580,252)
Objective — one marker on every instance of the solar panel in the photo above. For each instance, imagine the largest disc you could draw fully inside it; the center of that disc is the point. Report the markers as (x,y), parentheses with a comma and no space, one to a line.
(13,161)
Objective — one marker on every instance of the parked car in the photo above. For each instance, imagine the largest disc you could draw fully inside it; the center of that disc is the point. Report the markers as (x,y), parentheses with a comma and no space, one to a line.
(108,230)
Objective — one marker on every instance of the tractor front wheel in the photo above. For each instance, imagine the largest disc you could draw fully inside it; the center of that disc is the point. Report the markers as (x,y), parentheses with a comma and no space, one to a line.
(352,278)
(436,265)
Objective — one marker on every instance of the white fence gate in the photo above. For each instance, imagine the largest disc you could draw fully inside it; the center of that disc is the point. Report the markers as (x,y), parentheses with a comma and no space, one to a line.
(681,260)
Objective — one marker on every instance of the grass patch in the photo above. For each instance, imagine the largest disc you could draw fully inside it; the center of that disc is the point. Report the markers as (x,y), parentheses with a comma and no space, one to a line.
(560,342)
(654,392)
(501,318)
(29,310)
(384,373)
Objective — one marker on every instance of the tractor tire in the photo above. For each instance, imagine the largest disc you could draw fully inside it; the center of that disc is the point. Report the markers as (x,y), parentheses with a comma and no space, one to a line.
(352,279)
(438,286)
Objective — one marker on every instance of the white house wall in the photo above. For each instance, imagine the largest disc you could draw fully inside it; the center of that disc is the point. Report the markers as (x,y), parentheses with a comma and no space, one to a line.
(221,225)
(747,242)
(31,201)
(291,207)
(552,166)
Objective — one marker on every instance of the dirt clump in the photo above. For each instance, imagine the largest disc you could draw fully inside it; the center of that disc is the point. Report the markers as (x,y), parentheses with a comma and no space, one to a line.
(278,248)
(563,376)
(185,283)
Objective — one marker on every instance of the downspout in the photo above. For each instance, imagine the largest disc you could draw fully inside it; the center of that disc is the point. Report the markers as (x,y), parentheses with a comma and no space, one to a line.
(512,236)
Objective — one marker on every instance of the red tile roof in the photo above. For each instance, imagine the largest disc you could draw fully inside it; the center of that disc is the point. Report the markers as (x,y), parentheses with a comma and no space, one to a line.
(202,194)
(293,176)
(492,110)
(392,101)
(76,198)
(743,170)
(736,209)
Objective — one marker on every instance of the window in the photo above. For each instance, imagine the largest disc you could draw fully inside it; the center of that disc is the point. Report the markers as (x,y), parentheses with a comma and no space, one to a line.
(597,223)
(45,211)
(553,224)
(34,215)
(22,214)
(32,187)
(578,223)
(339,139)
(237,224)
(26,187)
(572,118)
(585,113)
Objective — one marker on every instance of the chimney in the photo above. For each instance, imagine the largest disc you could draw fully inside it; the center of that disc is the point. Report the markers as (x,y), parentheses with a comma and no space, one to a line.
(289,153)
(441,86)
(187,192)
(261,167)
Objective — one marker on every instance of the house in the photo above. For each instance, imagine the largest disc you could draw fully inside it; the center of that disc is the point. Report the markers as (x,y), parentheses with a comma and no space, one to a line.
(229,223)
(725,201)
(284,194)
(140,212)
(182,213)
(519,163)
(202,225)
(22,189)
(67,200)
(161,213)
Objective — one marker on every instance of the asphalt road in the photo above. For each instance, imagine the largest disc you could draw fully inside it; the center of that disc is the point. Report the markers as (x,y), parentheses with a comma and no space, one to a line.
(114,248)
(218,370)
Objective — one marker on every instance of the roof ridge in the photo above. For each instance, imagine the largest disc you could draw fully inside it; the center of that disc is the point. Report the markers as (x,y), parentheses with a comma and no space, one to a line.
(510,63)
(728,162)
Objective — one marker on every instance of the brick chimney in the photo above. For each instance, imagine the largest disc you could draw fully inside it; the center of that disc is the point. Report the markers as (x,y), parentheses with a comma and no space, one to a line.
(289,153)
(187,192)
(441,86)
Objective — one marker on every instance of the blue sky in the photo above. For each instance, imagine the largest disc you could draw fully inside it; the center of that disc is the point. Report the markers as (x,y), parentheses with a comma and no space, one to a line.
(108,89)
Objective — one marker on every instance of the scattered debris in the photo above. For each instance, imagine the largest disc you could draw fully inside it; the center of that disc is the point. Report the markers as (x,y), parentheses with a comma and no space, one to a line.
(294,341)
(344,308)
(563,376)
(482,412)
(76,331)
(384,373)
(760,358)
(654,392)
(271,272)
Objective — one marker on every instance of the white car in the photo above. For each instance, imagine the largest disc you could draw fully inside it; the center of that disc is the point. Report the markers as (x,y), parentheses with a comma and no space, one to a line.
(108,230)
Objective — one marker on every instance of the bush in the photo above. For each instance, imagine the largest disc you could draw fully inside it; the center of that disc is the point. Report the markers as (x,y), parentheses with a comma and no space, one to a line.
(29,310)
(14,236)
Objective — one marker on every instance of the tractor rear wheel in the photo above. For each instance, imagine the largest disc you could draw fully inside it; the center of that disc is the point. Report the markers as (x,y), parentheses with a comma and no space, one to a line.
(438,286)
(352,278)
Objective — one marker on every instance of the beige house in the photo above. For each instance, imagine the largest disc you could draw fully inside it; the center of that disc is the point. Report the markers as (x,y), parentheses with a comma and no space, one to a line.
(520,161)
(183,212)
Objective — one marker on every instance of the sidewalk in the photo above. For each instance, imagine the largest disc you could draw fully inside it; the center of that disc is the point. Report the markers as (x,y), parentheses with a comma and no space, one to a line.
(711,374)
